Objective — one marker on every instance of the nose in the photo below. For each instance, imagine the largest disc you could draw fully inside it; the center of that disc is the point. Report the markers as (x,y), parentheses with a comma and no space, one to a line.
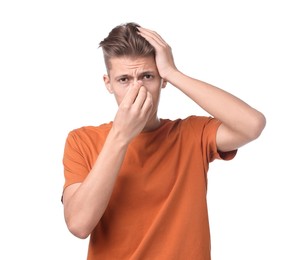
(137,82)
(140,82)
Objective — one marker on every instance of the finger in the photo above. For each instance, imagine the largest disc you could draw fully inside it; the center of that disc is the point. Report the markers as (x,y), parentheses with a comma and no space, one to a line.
(131,94)
(148,103)
(152,34)
(141,97)
(152,37)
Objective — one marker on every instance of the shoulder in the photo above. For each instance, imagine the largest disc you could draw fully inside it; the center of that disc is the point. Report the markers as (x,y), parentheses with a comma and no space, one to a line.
(194,122)
(192,127)
(91,129)
(201,120)
(85,133)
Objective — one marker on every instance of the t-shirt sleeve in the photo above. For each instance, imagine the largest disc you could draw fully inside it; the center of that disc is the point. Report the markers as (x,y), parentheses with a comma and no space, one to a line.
(75,168)
(206,128)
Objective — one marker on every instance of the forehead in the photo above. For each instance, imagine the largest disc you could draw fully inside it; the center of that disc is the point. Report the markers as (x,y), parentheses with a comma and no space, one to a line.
(129,65)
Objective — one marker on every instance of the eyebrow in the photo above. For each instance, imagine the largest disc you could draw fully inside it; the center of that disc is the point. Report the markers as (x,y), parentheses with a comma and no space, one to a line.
(151,72)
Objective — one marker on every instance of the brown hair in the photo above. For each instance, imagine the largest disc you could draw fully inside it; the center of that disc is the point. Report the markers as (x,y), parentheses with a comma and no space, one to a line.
(124,40)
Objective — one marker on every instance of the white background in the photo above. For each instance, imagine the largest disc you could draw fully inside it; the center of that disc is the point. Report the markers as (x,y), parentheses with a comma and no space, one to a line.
(51,82)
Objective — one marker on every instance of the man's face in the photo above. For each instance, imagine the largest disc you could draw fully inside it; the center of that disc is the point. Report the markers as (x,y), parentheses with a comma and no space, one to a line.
(126,71)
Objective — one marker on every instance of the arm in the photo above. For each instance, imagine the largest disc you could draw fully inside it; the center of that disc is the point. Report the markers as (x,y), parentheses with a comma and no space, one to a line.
(85,203)
(240,122)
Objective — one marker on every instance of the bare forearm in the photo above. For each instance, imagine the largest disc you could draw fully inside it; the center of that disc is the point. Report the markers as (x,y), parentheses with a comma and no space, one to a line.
(85,204)
(88,203)
(238,118)
(232,111)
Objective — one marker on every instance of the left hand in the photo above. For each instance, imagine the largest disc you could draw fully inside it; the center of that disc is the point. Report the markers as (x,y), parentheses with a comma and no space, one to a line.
(163,56)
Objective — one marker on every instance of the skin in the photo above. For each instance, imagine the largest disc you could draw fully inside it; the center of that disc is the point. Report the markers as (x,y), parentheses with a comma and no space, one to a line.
(140,74)
(136,84)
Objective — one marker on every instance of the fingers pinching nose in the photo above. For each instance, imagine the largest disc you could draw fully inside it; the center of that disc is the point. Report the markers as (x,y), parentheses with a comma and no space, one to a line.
(137,84)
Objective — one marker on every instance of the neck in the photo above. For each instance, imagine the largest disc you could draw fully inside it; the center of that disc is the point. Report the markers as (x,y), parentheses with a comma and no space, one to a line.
(152,124)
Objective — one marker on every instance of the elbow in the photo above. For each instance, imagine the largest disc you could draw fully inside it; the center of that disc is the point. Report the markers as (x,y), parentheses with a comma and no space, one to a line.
(78,229)
(257,126)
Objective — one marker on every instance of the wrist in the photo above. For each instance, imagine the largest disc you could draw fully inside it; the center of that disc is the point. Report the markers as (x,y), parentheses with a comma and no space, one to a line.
(118,138)
(174,76)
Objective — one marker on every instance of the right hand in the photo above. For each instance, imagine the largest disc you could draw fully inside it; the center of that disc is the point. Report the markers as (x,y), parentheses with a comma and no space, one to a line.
(133,112)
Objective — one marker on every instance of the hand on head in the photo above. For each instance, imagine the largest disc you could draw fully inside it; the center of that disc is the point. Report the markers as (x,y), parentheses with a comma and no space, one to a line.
(163,56)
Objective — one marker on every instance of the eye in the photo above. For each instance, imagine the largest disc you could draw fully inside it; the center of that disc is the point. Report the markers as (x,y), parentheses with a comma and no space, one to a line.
(147,76)
(123,80)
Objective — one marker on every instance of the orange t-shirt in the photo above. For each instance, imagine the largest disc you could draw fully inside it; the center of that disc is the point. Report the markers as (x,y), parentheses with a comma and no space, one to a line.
(158,208)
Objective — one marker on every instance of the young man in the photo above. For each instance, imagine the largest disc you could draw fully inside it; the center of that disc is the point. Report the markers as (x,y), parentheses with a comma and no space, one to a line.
(138,184)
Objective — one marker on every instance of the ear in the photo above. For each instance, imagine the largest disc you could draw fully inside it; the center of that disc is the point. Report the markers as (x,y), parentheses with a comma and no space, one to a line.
(107,82)
(163,83)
